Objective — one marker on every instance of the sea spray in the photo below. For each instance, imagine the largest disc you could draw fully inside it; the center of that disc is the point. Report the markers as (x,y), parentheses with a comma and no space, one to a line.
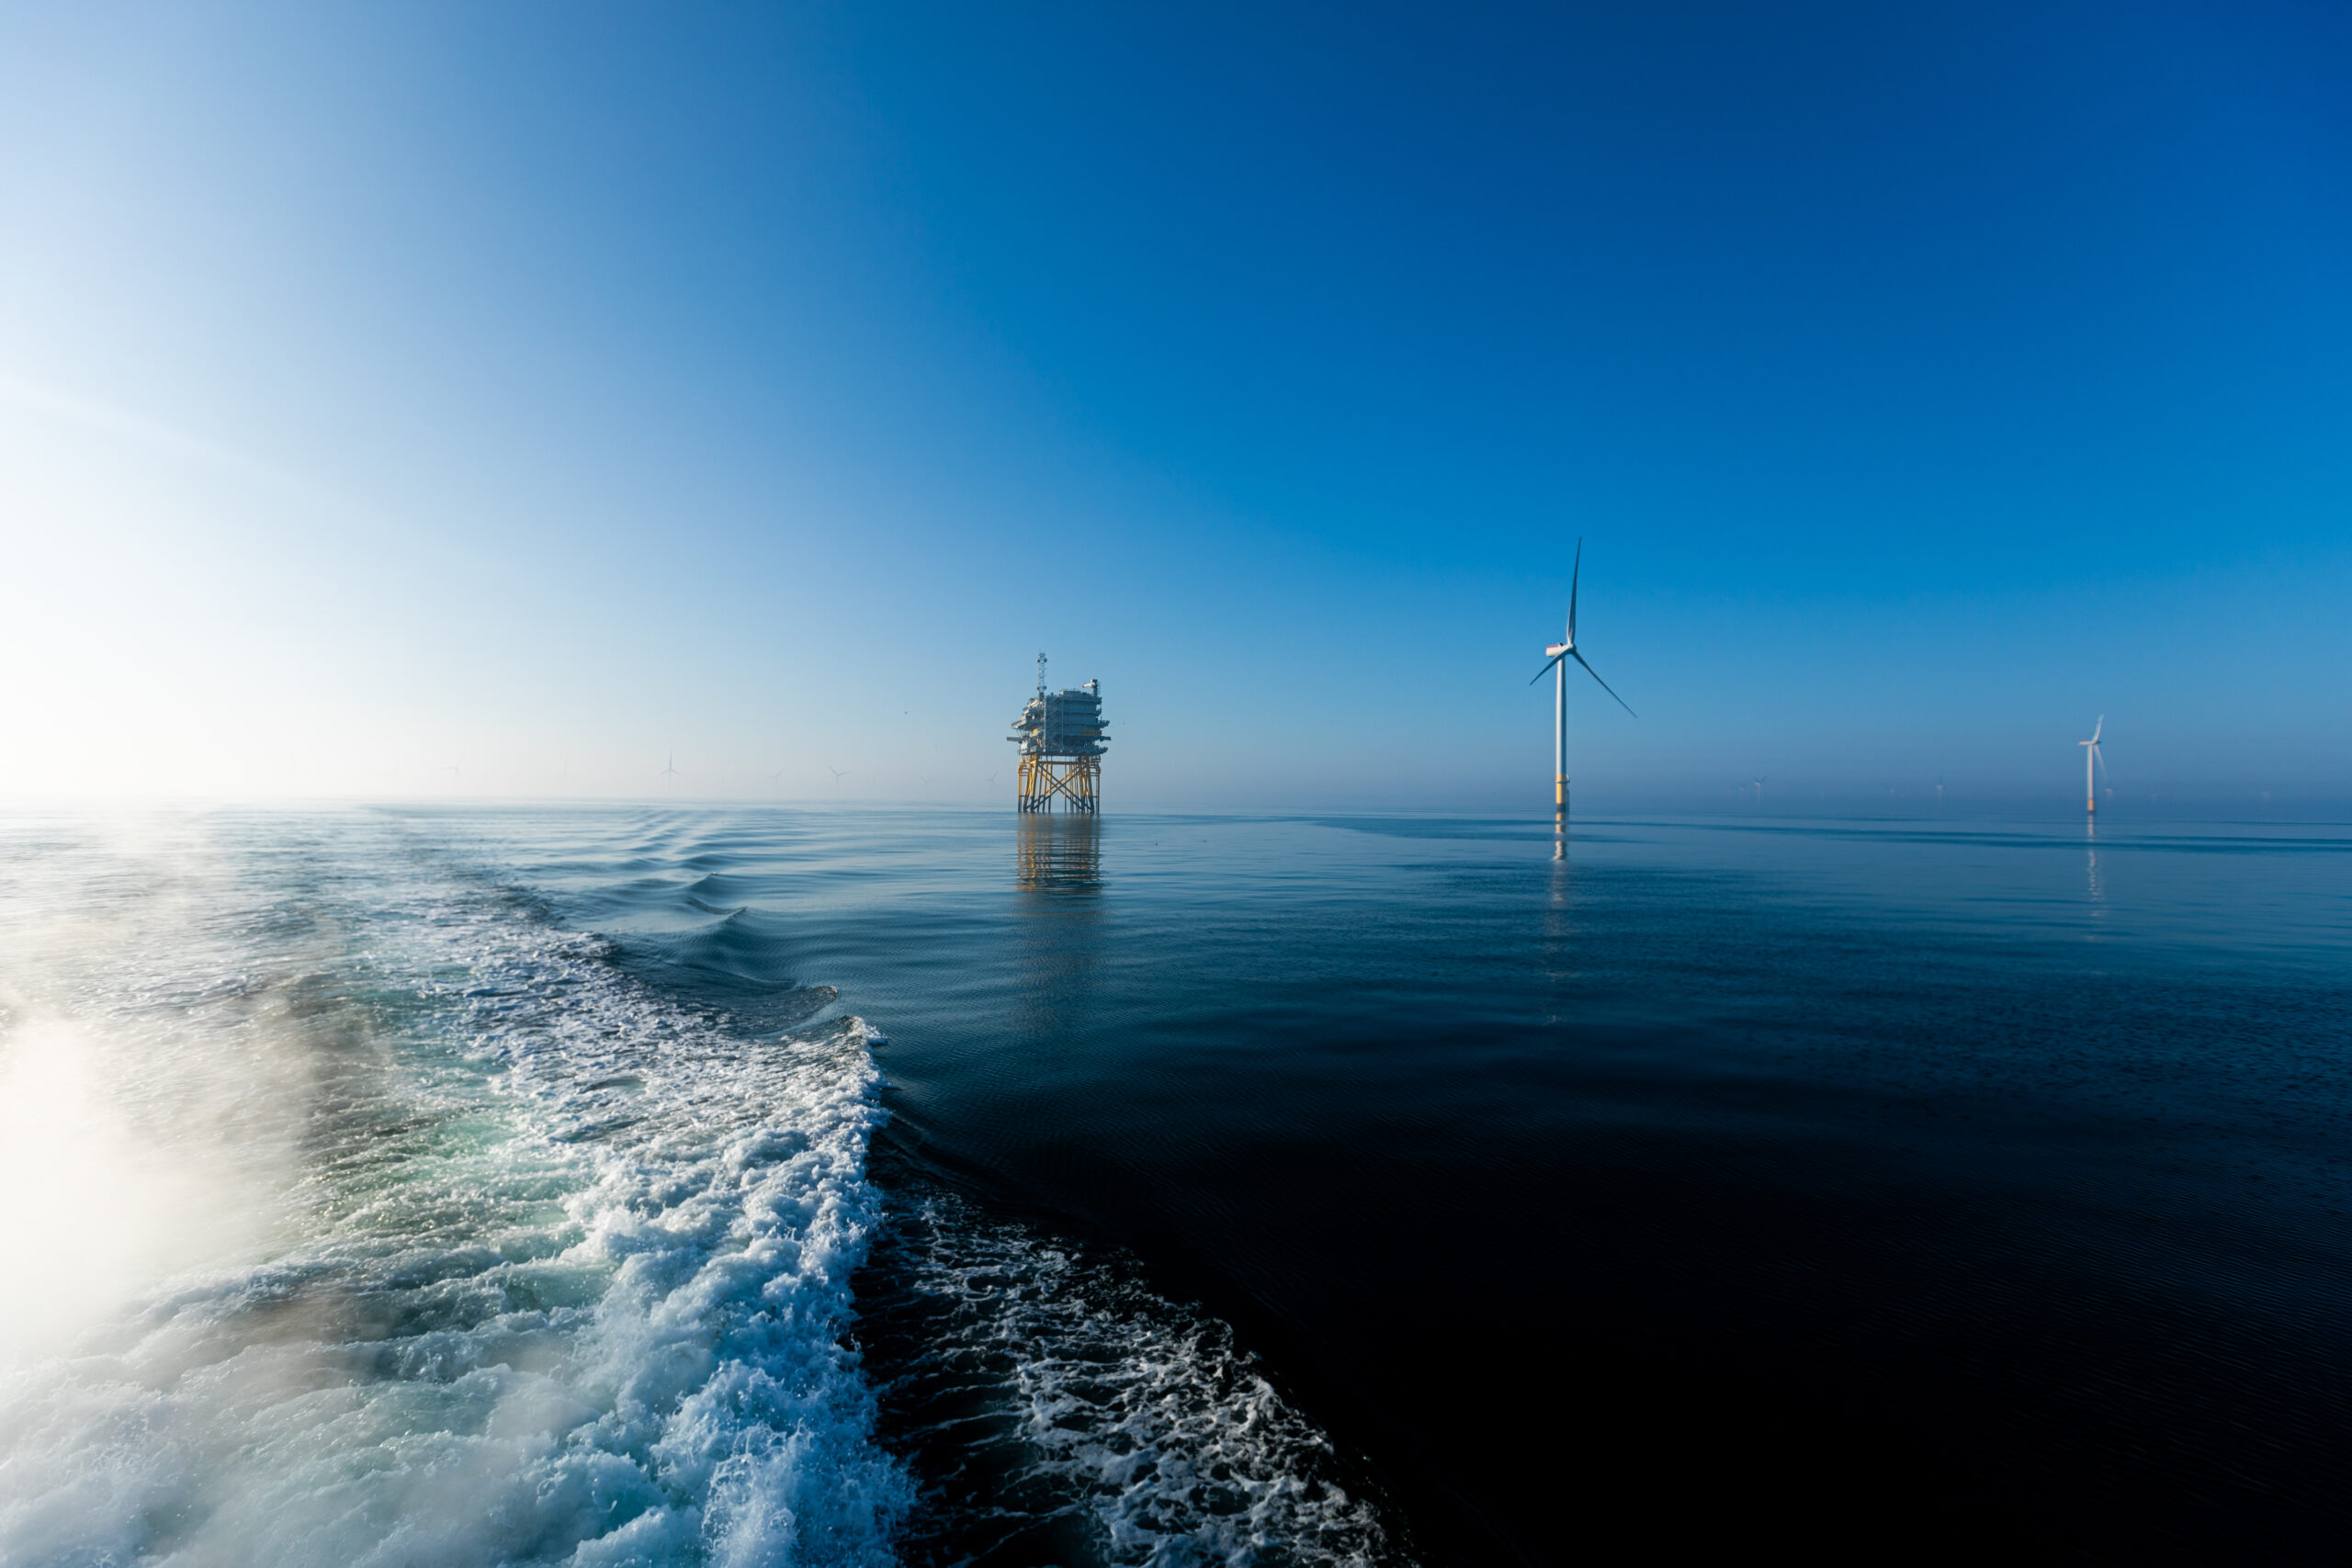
(549,1268)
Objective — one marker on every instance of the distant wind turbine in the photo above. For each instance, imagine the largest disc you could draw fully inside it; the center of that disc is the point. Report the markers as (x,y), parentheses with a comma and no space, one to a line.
(671,770)
(2091,758)
(1556,656)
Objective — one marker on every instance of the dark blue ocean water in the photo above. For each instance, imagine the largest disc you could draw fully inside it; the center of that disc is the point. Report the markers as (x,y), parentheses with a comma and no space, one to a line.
(1377,1189)
(1836,1176)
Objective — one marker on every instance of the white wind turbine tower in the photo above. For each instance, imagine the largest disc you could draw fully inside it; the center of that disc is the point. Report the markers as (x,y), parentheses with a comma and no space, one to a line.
(2091,757)
(1556,656)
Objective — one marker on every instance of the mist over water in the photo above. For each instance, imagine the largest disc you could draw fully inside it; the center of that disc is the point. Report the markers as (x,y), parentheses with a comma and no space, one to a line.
(376,1220)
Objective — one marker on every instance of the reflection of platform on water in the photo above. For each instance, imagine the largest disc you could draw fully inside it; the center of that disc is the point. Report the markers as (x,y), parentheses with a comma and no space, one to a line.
(1061,854)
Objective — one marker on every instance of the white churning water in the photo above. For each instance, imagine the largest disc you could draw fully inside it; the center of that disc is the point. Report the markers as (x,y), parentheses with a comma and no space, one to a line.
(353,1210)
(1136,1419)
(357,1214)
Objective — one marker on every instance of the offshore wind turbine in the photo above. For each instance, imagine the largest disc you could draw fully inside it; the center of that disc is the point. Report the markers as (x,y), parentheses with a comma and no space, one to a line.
(2091,757)
(1556,656)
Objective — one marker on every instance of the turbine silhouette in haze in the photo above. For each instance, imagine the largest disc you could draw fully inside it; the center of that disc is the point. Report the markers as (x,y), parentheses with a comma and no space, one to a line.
(2091,758)
(1556,656)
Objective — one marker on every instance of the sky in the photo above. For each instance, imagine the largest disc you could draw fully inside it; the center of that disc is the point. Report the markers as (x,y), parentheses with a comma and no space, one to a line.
(443,401)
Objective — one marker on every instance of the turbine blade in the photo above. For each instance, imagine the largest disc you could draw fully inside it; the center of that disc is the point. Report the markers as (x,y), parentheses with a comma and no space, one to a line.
(2100,758)
(1574,575)
(1547,667)
(1596,675)
(2098,729)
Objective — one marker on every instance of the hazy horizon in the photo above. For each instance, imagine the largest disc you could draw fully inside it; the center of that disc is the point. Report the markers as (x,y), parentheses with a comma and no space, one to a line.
(1595,809)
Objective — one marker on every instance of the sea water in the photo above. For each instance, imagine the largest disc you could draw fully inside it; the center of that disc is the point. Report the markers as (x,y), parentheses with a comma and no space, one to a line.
(751,1186)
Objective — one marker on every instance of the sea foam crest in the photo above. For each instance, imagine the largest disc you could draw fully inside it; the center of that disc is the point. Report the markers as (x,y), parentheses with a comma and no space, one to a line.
(563,1277)
(1092,1415)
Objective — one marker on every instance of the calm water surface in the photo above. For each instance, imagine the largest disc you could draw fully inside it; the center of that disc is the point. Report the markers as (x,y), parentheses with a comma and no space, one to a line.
(1215,1190)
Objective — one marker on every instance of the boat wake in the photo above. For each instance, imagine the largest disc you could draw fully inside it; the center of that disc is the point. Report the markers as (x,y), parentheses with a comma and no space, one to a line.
(1057,1409)
(360,1213)
(555,1270)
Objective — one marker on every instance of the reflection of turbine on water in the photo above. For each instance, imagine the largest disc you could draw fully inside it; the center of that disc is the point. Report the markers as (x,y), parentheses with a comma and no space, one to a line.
(2090,834)
(1060,854)
(1558,912)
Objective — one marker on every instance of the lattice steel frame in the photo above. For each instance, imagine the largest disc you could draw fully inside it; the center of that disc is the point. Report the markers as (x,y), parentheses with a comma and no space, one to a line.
(1076,782)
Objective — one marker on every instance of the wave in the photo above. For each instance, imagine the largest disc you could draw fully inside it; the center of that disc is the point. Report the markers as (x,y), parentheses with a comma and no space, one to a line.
(559,1269)
(1057,1409)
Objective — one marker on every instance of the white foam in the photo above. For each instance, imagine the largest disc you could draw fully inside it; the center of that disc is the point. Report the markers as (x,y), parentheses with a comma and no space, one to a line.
(561,1274)
(1138,1416)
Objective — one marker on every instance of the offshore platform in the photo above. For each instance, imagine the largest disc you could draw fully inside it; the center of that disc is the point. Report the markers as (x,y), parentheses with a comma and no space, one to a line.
(1061,736)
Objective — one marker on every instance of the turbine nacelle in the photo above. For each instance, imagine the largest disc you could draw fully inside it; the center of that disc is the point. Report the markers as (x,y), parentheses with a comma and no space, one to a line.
(1556,654)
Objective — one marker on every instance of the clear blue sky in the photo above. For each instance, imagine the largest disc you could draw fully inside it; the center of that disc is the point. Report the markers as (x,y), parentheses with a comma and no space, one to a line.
(429,399)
